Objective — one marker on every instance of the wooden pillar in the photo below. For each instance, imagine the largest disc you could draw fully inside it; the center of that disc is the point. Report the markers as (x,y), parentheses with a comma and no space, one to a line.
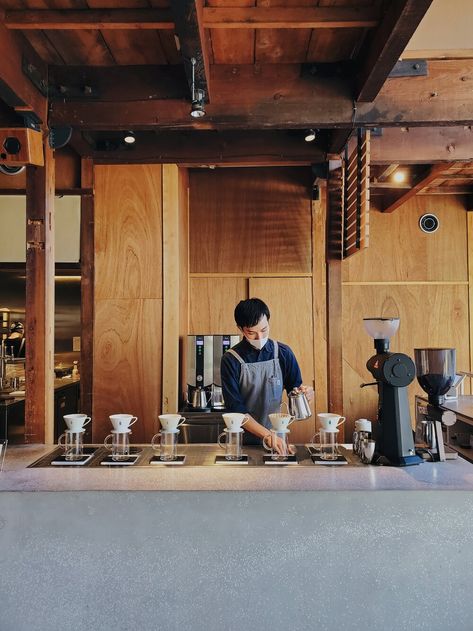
(171,293)
(39,370)
(334,292)
(87,287)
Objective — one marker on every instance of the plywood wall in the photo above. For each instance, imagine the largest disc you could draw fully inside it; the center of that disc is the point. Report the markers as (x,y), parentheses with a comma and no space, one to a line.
(128,297)
(251,234)
(421,278)
(250,221)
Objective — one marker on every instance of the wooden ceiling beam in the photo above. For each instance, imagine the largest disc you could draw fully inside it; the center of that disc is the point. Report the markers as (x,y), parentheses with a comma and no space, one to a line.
(16,89)
(209,148)
(386,45)
(278,97)
(338,139)
(162,19)
(190,32)
(433,173)
(290,17)
(156,19)
(422,145)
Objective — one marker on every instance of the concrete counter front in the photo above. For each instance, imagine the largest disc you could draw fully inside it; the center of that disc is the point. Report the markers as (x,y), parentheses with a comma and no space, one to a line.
(354,548)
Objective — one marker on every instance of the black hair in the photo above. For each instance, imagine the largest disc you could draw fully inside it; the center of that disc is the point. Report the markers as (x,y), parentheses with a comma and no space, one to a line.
(249,312)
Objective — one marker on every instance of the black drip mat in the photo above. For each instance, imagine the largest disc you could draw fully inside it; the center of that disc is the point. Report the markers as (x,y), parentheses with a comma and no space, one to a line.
(61,460)
(319,460)
(222,460)
(109,461)
(156,460)
(57,458)
(292,459)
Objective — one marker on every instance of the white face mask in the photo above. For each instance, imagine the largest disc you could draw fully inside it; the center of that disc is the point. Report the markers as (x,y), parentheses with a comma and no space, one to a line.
(258,343)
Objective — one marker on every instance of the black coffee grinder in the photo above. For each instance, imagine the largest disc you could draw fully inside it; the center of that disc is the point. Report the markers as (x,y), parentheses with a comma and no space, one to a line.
(393,373)
(436,372)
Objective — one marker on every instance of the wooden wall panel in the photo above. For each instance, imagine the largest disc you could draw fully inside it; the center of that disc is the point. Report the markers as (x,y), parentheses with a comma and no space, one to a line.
(400,251)
(290,303)
(431,315)
(250,221)
(128,232)
(183,273)
(212,302)
(128,297)
(127,364)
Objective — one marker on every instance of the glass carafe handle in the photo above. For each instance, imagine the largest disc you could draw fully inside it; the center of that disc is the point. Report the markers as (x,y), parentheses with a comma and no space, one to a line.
(267,447)
(59,441)
(219,439)
(156,438)
(106,444)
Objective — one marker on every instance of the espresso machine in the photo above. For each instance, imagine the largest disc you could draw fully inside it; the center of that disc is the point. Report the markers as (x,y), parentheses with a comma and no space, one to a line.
(436,373)
(393,373)
(199,371)
(221,344)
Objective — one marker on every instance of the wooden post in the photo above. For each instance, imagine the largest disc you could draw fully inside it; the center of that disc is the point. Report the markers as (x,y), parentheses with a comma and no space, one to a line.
(39,407)
(171,292)
(87,287)
(334,297)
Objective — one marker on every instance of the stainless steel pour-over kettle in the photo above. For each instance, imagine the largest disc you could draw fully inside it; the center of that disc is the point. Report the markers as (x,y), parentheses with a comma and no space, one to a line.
(298,405)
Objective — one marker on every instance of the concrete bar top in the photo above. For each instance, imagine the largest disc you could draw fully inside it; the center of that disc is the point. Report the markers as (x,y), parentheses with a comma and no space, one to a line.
(16,476)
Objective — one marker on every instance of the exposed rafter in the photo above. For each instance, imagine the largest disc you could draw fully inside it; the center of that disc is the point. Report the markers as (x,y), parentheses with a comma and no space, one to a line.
(386,45)
(433,173)
(156,19)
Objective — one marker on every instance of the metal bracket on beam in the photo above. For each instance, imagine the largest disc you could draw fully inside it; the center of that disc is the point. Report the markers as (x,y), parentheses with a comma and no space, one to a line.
(34,75)
(73,92)
(409,68)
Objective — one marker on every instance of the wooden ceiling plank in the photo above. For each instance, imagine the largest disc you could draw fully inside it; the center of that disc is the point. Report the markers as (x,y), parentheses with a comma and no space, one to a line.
(190,31)
(16,89)
(431,176)
(91,19)
(289,17)
(388,171)
(383,50)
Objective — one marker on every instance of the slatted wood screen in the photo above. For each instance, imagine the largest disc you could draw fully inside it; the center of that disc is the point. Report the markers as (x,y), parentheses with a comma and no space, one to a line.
(356,199)
(349,201)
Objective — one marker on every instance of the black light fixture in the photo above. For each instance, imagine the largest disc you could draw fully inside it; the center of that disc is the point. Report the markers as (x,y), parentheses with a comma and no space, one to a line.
(309,135)
(129,137)
(197,94)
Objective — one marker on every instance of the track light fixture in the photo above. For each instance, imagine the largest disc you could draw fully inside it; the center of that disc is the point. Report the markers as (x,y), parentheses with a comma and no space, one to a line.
(309,135)
(197,94)
(129,138)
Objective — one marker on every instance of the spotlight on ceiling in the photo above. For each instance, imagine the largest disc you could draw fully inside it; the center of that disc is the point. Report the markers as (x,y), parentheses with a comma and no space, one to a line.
(129,138)
(197,95)
(309,135)
(399,176)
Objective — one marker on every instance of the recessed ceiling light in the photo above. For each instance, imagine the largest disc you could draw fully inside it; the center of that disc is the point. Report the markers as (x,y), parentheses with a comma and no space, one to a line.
(129,138)
(309,135)
(399,176)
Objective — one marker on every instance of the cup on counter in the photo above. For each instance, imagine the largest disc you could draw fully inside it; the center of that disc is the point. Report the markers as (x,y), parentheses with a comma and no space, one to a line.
(73,444)
(76,422)
(363,425)
(280,421)
(366,450)
(122,422)
(327,420)
(170,422)
(327,443)
(166,443)
(234,421)
(232,444)
(118,442)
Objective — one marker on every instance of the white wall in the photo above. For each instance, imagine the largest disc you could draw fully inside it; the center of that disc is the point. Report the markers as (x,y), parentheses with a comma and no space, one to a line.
(13,226)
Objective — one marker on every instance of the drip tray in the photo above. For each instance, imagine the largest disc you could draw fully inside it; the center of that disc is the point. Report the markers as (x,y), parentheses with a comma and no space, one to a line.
(288,460)
(60,460)
(319,460)
(155,460)
(130,460)
(224,461)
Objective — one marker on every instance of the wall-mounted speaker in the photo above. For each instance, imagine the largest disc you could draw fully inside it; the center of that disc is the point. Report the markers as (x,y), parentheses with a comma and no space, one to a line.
(429,223)
(21,146)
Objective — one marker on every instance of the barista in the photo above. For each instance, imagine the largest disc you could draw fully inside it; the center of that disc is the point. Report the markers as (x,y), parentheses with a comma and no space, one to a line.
(15,342)
(257,369)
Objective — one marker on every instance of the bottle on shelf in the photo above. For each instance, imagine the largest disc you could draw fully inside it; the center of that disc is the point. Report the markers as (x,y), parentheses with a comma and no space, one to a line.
(75,370)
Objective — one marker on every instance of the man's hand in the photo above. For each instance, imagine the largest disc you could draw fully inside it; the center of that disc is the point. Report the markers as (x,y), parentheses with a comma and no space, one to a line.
(278,445)
(307,390)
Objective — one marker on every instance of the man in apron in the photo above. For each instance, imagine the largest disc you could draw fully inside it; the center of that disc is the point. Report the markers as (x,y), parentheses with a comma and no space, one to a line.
(256,370)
